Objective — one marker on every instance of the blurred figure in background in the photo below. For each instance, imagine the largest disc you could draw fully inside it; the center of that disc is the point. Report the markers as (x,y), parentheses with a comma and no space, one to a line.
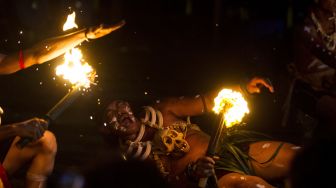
(314,78)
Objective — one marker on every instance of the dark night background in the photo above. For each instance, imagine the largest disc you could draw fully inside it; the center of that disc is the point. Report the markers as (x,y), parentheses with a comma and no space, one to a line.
(167,47)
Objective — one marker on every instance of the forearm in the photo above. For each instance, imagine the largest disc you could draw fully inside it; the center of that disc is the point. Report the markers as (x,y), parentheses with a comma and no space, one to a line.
(53,47)
(42,52)
(192,106)
(6,131)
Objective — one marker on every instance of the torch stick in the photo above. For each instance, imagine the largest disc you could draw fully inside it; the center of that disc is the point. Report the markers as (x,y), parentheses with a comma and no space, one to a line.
(211,152)
(55,111)
(64,103)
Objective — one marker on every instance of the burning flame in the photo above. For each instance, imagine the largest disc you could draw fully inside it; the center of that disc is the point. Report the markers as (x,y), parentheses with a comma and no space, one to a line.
(74,69)
(232,105)
(70,22)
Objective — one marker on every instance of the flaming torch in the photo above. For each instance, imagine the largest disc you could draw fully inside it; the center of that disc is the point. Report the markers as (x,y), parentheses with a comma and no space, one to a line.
(232,107)
(74,69)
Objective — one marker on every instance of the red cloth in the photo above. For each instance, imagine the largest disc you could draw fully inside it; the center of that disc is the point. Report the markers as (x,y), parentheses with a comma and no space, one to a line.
(4,178)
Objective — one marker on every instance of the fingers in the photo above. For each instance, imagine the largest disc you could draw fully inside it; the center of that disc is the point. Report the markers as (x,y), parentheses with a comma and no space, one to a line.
(117,25)
(43,123)
(256,83)
(205,167)
(267,84)
(108,29)
(37,127)
(102,30)
(207,159)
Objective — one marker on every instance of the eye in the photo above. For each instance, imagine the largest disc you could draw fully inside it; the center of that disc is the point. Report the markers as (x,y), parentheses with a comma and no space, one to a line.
(173,134)
(168,140)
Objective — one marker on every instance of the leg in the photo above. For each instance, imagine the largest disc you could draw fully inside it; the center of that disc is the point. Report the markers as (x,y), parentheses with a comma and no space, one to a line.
(277,168)
(40,154)
(235,180)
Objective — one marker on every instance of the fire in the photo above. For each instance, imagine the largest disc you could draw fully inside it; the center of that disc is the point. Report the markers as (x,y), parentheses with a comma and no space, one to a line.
(74,67)
(70,22)
(74,70)
(232,105)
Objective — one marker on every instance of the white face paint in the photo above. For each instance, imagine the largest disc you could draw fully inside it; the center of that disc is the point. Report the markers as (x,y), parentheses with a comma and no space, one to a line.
(267,145)
(260,185)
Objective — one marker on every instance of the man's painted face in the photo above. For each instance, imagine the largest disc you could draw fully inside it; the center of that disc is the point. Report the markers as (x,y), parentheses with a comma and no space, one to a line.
(120,118)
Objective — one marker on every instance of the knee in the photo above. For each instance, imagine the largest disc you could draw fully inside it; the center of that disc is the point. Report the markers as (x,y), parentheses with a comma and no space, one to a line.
(48,144)
(242,181)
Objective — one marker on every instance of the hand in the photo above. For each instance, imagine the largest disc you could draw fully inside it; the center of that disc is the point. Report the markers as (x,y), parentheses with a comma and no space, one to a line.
(257,83)
(102,30)
(205,167)
(33,128)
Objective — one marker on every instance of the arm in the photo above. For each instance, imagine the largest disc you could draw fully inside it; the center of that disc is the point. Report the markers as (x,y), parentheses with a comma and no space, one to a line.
(53,47)
(32,128)
(192,106)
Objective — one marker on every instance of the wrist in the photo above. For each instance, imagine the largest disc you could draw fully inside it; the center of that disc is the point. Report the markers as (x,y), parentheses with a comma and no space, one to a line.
(8,131)
(86,31)
(243,88)
(83,34)
(190,172)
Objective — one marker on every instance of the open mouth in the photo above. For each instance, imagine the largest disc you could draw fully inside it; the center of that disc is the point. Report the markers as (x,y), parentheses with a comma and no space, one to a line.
(125,120)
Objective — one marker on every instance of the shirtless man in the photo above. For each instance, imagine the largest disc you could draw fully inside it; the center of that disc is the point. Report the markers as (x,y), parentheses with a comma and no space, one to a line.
(178,147)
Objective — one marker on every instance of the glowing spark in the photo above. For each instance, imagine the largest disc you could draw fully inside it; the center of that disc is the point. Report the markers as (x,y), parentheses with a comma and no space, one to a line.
(70,22)
(232,105)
